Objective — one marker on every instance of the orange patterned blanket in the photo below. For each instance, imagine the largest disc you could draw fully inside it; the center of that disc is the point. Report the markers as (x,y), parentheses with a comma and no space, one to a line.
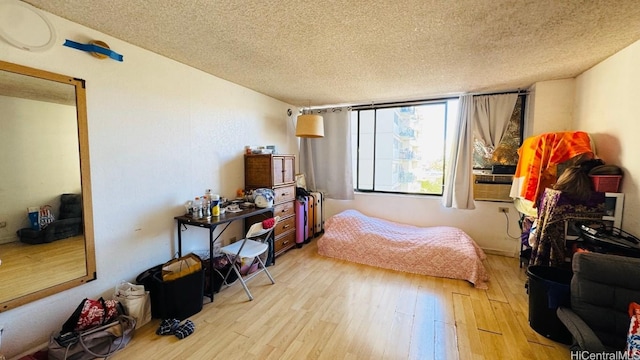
(440,251)
(539,157)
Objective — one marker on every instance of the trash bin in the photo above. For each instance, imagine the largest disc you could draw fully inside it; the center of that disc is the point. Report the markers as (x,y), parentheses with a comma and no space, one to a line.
(179,298)
(549,288)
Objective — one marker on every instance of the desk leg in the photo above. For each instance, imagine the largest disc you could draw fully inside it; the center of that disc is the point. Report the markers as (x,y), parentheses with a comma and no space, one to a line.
(179,239)
(212,241)
(211,262)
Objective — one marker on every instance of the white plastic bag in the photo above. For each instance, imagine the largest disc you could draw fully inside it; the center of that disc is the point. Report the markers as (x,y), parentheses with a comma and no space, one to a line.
(135,300)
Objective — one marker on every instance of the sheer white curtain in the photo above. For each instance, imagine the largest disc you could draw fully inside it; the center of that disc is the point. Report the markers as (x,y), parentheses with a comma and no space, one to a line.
(491,119)
(458,190)
(326,162)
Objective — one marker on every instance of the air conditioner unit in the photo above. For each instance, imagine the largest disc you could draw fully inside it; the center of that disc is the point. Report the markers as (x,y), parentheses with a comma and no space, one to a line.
(492,187)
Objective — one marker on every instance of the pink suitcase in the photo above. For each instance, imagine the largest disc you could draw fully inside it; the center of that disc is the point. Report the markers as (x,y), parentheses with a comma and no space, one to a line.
(302,228)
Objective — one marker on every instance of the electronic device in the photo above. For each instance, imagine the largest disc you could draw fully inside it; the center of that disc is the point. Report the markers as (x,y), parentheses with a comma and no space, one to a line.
(503,169)
(613,240)
(67,338)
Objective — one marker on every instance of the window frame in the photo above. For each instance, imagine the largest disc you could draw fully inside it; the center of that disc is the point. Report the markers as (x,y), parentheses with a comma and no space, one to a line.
(445,159)
(390,105)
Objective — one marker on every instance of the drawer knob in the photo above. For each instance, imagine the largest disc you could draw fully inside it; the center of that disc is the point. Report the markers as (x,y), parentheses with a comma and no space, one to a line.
(286,226)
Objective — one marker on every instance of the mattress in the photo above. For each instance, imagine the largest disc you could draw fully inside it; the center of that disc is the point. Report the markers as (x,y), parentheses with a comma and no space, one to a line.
(440,251)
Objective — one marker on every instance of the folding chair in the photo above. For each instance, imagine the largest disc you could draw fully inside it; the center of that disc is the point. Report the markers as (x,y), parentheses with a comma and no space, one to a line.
(254,245)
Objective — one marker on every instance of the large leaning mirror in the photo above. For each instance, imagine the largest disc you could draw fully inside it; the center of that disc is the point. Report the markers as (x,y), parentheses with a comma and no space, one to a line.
(46,220)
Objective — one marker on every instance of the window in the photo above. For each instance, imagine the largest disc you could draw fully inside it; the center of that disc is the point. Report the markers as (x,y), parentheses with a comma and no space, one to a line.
(506,153)
(402,148)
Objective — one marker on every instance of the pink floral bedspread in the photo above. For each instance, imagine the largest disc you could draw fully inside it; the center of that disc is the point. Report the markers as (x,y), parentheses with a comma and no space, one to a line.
(440,251)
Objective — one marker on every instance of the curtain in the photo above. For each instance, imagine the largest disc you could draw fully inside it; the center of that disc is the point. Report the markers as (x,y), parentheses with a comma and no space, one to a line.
(487,117)
(491,119)
(458,190)
(326,162)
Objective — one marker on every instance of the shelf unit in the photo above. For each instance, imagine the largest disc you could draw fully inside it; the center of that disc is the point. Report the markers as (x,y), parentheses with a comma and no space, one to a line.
(276,172)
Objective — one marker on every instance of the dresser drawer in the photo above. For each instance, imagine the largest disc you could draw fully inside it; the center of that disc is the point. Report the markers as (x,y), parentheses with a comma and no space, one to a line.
(284,210)
(284,242)
(284,194)
(285,225)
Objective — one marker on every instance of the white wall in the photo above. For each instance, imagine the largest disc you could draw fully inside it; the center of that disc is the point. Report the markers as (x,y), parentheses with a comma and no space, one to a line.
(607,98)
(159,133)
(550,107)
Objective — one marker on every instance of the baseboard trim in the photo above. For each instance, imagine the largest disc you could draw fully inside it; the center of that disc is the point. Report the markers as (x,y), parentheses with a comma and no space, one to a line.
(501,252)
(8,240)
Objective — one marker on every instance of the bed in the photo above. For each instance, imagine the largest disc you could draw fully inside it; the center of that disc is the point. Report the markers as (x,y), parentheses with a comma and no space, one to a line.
(440,251)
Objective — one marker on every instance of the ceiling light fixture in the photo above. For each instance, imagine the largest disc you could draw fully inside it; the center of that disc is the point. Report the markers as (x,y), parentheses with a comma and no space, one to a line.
(309,125)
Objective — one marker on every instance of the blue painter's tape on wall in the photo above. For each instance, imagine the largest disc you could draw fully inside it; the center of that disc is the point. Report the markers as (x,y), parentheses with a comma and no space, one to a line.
(94,49)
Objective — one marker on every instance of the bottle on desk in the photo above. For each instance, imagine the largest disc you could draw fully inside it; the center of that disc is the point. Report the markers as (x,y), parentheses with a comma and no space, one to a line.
(206,207)
(215,205)
(197,208)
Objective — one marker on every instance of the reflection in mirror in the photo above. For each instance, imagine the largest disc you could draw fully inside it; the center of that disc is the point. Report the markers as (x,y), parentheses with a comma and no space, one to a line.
(44,155)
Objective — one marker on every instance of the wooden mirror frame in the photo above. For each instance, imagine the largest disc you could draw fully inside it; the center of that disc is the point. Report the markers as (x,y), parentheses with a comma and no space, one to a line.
(87,209)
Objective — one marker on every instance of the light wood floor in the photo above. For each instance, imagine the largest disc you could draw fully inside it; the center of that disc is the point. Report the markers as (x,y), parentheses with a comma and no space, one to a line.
(321,308)
(27,268)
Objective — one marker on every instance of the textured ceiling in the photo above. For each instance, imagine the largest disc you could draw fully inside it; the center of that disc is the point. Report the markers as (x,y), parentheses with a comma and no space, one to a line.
(354,52)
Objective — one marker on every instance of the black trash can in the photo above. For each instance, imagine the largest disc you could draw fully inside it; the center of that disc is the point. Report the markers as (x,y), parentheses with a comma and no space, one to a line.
(549,288)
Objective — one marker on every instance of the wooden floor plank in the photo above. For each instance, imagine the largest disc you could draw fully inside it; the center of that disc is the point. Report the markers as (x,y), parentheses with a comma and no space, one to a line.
(446,342)
(495,346)
(322,308)
(468,333)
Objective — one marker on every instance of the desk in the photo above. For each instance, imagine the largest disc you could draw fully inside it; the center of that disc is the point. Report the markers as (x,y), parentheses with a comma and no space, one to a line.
(224,219)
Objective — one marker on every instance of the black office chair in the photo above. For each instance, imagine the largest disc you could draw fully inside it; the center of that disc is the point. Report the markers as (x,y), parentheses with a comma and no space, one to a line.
(602,287)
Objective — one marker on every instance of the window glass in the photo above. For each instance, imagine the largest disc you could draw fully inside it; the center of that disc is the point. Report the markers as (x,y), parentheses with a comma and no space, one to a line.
(401,149)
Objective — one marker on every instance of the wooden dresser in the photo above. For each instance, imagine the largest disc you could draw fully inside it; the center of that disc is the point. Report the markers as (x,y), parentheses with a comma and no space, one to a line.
(276,172)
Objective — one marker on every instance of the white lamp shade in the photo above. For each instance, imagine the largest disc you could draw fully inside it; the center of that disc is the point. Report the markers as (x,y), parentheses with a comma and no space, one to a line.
(311,126)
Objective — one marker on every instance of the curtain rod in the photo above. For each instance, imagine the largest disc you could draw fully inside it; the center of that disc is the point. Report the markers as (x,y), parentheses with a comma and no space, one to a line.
(519,92)
(419,101)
